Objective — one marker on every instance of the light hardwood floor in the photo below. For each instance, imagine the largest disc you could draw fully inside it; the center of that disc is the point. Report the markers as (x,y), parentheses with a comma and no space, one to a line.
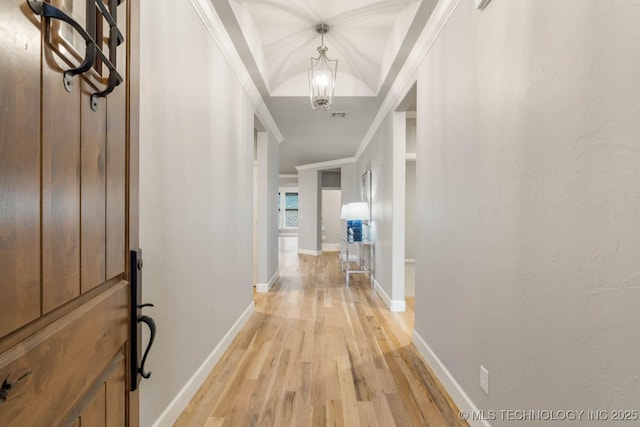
(316,353)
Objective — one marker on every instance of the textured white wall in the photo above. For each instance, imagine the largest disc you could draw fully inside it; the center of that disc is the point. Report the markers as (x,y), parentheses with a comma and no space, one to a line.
(528,188)
(196,196)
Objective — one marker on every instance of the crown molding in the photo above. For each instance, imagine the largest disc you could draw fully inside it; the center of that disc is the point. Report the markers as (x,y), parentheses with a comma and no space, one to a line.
(407,75)
(215,27)
(327,165)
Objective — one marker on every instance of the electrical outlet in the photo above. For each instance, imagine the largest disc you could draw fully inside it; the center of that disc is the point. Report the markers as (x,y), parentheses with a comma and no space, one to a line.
(484,379)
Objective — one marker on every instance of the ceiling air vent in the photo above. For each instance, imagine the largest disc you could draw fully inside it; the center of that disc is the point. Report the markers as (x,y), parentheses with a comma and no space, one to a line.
(338,114)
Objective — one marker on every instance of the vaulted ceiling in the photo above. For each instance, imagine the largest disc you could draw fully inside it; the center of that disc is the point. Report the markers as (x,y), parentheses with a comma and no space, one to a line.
(358,36)
(276,39)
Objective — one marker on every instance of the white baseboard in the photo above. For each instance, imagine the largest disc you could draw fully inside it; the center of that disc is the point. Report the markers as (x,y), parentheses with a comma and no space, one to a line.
(309,252)
(263,288)
(394,305)
(331,247)
(182,399)
(409,261)
(455,391)
(399,306)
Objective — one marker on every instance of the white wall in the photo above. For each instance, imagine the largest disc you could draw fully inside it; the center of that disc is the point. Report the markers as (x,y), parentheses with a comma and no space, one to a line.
(350,183)
(411,135)
(255,219)
(267,189)
(309,211)
(385,157)
(528,186)
(288,181)
(331,179)
(378,157)
(331,208)
(349,189)
(196,199)
(410,194)
(410,211)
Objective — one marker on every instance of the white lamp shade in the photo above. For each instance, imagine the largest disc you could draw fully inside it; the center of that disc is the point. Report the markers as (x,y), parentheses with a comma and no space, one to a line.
(358,211)
(343,212)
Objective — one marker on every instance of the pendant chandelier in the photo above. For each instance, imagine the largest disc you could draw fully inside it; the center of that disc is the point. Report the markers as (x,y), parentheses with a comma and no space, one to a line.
(322,75)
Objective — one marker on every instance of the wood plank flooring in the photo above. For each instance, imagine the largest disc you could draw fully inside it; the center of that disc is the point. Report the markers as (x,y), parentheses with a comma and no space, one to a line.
(316,353)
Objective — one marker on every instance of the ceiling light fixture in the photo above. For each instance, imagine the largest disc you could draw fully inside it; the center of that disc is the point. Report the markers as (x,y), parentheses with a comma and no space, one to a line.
(322,75)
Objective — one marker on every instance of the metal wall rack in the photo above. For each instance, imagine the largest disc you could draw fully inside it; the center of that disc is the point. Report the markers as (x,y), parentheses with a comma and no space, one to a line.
(93,50)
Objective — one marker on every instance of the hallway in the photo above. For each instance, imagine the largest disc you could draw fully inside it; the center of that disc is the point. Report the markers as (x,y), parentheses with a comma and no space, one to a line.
(152,154)
(317,353)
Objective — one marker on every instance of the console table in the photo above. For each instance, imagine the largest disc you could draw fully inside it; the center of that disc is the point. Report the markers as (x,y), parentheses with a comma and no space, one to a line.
(361,267)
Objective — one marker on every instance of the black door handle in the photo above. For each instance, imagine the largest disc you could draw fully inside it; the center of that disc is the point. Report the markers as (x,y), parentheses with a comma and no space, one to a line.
(152,328)
(137,366)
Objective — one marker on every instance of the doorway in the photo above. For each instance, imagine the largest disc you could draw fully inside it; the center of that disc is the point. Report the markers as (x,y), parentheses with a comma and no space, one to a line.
(331,223)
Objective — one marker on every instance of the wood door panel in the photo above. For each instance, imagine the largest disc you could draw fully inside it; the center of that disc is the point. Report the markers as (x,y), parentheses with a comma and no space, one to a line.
(116,181)
(116,170)
(64,360)
(93,141)
(103,404)
(115,397)
(60,186)
(19,167)
(94,413)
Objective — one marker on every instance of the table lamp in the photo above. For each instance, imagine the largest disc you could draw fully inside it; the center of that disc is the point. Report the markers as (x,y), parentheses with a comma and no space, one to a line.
(356,213)
(343,212)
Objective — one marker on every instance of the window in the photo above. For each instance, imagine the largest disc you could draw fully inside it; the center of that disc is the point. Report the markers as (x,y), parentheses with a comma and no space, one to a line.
(288,217)
(291,210)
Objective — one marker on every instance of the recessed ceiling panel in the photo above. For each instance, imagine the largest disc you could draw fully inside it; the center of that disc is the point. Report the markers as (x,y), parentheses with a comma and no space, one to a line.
(358,35)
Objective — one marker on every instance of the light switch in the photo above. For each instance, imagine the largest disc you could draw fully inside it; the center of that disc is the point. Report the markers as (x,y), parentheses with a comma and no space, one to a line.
(481,4)
(484,379)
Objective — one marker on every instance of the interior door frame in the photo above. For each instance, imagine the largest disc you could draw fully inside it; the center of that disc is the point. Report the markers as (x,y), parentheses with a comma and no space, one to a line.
(133,175)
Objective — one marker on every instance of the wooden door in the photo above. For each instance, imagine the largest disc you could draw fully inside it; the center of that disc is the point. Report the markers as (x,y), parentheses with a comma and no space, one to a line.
(67,221)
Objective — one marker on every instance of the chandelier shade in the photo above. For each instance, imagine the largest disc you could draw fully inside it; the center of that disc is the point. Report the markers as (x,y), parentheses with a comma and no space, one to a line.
(322,75)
